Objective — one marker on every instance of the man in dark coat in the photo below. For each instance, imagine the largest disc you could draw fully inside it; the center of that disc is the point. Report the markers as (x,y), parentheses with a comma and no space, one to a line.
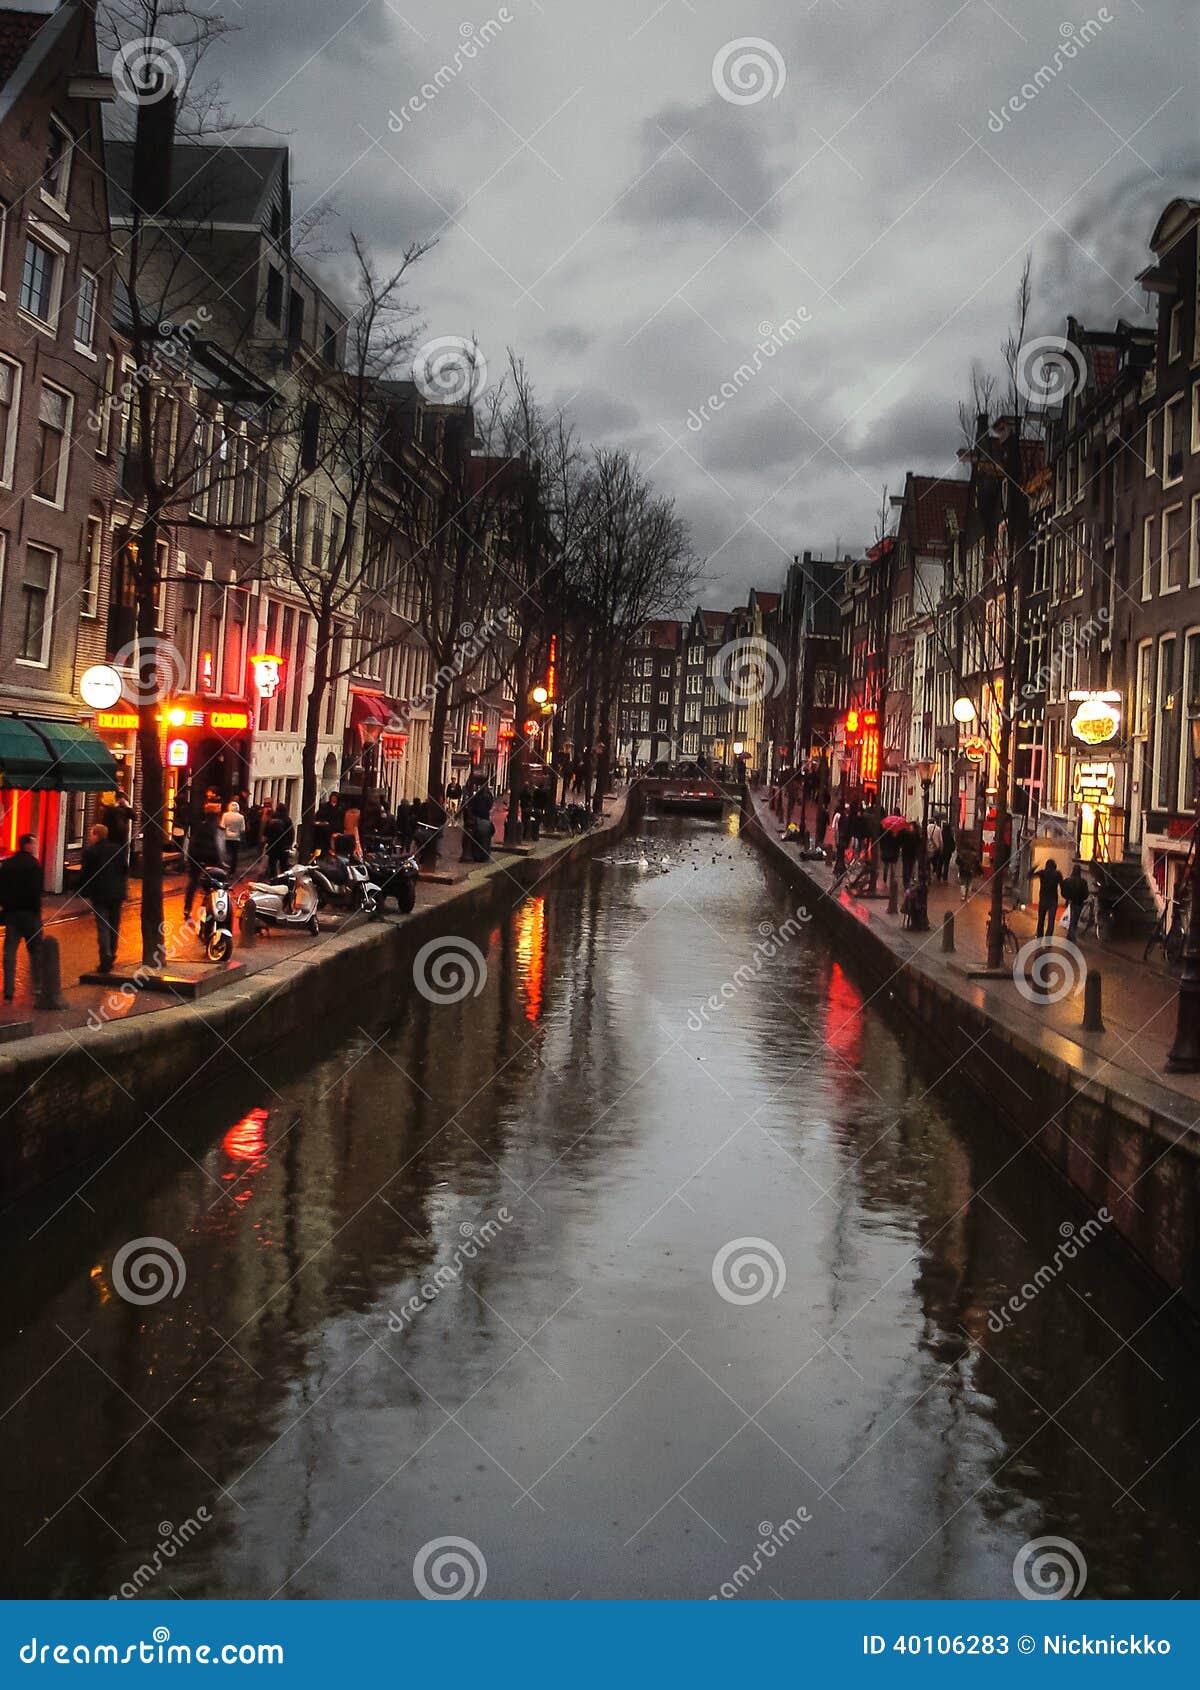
(1075,890)
(279,835)
(104,885)
(204,850)
(1051,884)
(21,905)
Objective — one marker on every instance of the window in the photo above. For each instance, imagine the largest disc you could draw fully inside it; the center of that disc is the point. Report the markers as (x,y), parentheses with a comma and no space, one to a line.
(1170,577)
(35,606)
(1149,458)
(1194,544)
(85,310)
(3,243)
(108,402)
(1191,704)
(1173,441)
(274,302)
(329,344)
(91,582)
(54,418)
(1164,716)
(39,281)
(1147,554)
(1196,414)
(10,393)
(1174,322)
(295,323)
(1141,691)
(57,170)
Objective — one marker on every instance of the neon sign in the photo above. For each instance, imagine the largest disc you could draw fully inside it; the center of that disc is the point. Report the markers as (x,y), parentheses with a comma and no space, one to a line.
(268,673)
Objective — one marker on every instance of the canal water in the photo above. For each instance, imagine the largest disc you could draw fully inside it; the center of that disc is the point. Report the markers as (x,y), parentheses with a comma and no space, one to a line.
(658,1264)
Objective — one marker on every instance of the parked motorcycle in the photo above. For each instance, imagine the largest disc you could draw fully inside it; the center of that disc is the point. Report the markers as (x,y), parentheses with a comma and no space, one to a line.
(216,930)
(396,874)
(346,884)
(290,901)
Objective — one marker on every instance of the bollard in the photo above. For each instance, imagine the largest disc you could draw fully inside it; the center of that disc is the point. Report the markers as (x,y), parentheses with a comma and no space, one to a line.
(1039,988)
(948,931)
(1093,1019)
(48,973)
(247,926)
(893,896)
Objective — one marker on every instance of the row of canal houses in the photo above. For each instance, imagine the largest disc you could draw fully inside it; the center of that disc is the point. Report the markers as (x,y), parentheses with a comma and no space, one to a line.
(1043,599)
(69,494)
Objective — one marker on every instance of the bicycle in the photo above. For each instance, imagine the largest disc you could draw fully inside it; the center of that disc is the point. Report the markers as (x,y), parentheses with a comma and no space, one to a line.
(1169,933)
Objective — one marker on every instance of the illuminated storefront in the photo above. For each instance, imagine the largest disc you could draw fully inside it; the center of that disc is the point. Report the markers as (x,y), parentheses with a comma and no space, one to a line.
(207,743)
(42,763)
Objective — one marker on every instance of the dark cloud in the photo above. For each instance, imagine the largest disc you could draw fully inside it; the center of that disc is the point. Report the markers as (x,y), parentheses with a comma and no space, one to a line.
(702,164)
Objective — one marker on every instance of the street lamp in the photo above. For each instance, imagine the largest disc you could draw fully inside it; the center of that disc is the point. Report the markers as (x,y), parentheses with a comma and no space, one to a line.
(964,711)
(1184,1055)
(925,770)
(539,695)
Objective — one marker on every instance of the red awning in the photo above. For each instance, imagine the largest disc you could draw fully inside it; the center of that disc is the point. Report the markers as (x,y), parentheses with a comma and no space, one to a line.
(369,707)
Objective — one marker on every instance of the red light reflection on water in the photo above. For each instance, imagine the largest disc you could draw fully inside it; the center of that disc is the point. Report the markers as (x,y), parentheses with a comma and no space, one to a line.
(844,1020)
(246,1140)
(530,946)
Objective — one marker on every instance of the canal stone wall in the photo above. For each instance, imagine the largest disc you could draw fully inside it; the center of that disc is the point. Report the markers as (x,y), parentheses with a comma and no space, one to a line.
(1131,1148)
(69,1097)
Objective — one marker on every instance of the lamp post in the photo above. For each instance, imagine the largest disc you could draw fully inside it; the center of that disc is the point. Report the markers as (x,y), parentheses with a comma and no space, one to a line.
(1184,1055)
(919,904)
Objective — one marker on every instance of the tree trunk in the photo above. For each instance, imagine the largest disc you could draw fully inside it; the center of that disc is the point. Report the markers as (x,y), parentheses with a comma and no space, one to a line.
(518,760)
(312,734)
(603,751)
(149,744)
(438,718)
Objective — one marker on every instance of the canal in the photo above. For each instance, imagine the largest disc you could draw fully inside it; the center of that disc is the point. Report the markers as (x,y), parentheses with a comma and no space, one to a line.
(657,1263)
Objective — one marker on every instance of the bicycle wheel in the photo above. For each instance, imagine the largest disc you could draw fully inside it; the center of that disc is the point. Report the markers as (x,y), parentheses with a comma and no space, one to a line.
(1152,943)
(1173,944)
(1010,944)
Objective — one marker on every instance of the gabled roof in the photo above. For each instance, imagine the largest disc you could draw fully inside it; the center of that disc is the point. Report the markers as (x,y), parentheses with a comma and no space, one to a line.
(714,621)
(766,601)
(1106,361)
(17,30)
(663,632)
(933,498)
(210,184)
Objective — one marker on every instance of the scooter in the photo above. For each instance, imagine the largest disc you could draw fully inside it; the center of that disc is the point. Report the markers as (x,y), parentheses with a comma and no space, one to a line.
(346,884)
(289,902)
(396,874)
(215,930)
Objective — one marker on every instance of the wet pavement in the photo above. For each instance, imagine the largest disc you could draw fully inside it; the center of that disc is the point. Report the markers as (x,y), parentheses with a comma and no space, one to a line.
(649,1262)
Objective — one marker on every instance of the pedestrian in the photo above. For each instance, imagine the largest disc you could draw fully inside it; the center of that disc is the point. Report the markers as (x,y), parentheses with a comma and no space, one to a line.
(233,831)
(404,823)
(933,845)
(278,836)
(910,844)
(1075,890)
(1051,884)
(453,797)
(478,828)
(843,832)
(949,841)
(889,854)
(21,906)
(821,826)
(967,865)
(118,820)
(204,850)
(104,885)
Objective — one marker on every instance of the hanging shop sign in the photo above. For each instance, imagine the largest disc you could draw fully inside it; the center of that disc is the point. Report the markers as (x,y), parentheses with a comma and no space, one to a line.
(975,749)
(100,687)
(177,754)
(221,721)
(1097,718)
(116,721)
(1094,781)
(268,673)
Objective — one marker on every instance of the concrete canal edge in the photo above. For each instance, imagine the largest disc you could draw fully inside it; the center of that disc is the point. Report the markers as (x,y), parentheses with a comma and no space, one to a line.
(1130,1149)
(68,1097)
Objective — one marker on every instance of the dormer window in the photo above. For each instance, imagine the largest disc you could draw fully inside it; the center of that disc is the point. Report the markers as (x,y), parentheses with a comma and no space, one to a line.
(57,169)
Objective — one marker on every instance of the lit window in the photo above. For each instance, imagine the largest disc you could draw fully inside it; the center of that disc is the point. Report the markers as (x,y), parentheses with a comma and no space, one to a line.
(36,595)
(58,164)
(54,413)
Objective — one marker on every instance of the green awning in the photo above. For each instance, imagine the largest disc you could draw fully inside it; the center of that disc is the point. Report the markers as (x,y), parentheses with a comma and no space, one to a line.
(42,756)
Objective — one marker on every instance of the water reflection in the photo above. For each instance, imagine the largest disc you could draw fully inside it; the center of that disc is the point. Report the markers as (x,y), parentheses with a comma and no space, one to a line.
(341,1379)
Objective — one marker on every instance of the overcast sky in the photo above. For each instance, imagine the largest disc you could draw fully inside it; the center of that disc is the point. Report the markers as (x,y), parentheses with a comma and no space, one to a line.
(634,232)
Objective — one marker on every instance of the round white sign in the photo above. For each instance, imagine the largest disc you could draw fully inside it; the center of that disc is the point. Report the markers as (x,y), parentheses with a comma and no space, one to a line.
(100,686)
